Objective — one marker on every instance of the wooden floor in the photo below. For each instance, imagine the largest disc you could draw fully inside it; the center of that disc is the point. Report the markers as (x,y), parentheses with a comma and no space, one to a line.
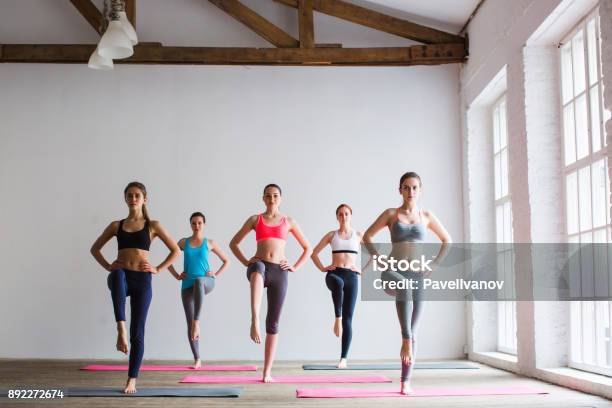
(51,374)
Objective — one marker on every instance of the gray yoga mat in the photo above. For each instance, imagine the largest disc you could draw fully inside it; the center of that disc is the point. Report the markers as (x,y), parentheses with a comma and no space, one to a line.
(455,365)
(149,392)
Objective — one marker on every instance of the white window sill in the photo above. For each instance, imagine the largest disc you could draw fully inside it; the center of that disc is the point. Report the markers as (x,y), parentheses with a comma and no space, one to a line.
(567,373)
(496,359)
(498,355)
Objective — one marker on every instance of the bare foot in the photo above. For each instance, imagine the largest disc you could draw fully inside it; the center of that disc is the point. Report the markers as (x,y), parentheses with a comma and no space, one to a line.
(130,386)
(267,378)
(342,363)
(255,332)
(197,364)
(122,344)
(195,330)
(338,327)
(406,351)
(406,389)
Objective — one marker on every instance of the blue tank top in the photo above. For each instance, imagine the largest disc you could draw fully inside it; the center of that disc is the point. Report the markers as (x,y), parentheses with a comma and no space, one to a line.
(402,232)
(195,262)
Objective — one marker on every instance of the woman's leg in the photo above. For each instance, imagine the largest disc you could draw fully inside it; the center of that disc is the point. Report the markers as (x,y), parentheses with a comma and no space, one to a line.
(256,275)
(412,310)
(351,286)
(119,291)
(277,290)
(335,283)
(202,287)
(141,294)
(187,296)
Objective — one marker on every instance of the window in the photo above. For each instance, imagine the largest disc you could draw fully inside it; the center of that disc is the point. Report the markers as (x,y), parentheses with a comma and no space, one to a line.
(506,310)
(587,187)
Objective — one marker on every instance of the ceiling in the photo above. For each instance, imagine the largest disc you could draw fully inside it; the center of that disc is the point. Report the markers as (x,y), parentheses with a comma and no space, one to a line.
(453,13)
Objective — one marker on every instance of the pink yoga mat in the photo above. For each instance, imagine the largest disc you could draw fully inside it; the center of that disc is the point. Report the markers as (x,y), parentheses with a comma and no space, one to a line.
(172,368)
(285,379)
(418,392)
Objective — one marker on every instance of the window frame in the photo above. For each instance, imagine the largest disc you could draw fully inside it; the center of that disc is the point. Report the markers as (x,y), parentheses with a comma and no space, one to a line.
(587,162)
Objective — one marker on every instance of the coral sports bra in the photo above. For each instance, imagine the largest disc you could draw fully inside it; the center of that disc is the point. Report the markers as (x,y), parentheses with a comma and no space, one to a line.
(265,231)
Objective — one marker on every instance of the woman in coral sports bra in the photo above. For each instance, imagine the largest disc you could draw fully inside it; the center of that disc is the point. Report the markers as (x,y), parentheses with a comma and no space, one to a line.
(269,268)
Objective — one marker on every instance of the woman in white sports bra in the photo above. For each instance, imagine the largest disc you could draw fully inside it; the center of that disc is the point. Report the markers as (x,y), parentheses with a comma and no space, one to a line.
(342,276)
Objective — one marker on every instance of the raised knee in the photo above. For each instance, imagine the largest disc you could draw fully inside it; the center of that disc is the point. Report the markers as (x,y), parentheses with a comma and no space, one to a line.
(333,281)
(256,270)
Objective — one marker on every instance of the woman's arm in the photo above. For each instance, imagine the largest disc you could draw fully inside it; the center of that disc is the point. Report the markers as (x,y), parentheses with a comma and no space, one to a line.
(160,231)
(361,241)
(437,228)
(381,222)
(177,276)
(217,251)
(96,248)
(242,232)
(301,239)
(318,248)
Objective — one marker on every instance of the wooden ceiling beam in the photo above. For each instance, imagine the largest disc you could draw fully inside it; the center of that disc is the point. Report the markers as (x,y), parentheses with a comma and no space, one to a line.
(306,24)
(157,54)
(257,23)
(130,11)
(90,12)
(379,21)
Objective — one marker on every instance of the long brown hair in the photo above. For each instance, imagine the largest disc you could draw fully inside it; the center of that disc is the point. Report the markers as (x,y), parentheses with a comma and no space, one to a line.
(143,189)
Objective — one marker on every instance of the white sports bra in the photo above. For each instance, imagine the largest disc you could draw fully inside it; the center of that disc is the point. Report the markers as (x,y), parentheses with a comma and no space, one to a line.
(350,246)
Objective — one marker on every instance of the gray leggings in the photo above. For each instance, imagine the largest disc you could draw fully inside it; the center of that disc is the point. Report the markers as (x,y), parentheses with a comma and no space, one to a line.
(275,281)
(193,298)
(409,305)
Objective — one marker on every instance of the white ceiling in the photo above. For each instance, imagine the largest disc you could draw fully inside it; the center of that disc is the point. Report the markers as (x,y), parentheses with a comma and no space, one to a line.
(453,13)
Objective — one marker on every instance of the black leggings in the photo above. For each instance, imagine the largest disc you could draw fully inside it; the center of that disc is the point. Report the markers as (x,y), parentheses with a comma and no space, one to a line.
(344,285)
(275,280)
(136,285)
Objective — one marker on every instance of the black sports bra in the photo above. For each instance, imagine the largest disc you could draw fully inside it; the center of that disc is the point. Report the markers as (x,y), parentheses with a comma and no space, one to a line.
(137,239)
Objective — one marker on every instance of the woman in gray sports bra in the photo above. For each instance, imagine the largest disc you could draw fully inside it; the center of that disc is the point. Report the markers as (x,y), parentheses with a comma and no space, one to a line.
(407,225)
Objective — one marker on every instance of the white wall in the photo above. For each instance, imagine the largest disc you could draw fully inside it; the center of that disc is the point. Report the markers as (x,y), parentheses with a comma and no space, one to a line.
(209,139)
(521,38)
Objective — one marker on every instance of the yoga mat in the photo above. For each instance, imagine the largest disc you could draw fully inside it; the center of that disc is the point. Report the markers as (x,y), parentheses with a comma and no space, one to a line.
(149,392)
(418,392)
(95,367)
(429,366)
(286,379)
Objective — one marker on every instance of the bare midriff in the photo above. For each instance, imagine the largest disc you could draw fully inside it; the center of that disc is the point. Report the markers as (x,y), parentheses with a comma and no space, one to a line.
(131,258)
(271,250)
(344,260)
(406,250)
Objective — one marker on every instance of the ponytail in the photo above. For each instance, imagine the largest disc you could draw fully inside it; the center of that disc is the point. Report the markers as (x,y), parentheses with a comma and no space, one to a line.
(145,213)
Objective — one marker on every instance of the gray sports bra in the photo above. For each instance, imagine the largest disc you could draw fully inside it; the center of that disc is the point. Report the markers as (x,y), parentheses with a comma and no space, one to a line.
(403,232)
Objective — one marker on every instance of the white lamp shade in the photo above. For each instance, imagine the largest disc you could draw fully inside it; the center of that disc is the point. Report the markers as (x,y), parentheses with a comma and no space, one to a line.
(96,61)
(128,27)
(115,44)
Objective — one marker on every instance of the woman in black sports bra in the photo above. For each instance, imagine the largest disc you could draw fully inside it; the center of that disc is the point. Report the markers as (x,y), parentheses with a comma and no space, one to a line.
(130,274)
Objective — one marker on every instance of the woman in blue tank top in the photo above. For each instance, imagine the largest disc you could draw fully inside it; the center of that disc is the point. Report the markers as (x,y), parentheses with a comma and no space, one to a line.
(407,225)
(197,280)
